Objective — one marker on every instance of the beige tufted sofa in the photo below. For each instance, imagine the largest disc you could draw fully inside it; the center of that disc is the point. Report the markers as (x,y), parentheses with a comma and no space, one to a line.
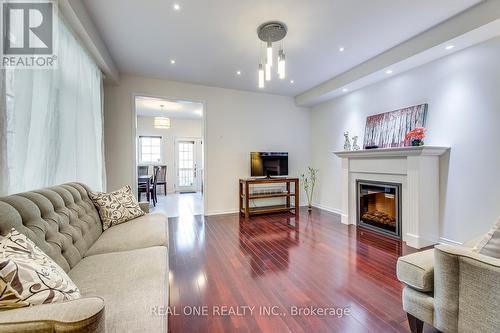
(122,273)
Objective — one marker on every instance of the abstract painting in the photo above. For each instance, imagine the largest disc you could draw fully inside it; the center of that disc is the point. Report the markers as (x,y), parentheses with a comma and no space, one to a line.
(388,129)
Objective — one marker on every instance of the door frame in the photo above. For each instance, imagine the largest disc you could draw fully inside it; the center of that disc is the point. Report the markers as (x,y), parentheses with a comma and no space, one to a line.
(197,185)
(133,131)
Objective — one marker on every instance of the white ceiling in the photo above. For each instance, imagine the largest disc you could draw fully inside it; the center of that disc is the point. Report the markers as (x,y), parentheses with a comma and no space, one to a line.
(211,40)
(151,107)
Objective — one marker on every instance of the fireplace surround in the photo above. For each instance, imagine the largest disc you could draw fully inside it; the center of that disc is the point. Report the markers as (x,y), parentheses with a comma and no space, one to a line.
(416,169)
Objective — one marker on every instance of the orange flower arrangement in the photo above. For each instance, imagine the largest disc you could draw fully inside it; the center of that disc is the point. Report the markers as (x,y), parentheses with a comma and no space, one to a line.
(416,134)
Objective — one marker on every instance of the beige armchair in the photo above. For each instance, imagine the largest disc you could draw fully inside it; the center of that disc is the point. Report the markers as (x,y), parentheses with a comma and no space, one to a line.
(454,289)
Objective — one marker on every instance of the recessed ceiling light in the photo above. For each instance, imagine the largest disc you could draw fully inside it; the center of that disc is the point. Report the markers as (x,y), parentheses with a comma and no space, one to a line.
(449,47)
(177,6)
(292,81)
(341,49)
(172,61)
(238,73)
(389,71)
(345,90)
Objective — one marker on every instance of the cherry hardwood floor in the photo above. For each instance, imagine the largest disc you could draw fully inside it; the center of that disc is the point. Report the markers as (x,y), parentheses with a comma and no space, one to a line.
(223,266)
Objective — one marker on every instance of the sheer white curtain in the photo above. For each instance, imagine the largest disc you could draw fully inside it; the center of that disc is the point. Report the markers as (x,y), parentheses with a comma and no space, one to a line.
(54,122)
(3,134)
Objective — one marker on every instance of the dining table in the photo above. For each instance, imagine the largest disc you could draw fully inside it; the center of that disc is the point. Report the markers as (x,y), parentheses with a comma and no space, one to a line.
(144,181)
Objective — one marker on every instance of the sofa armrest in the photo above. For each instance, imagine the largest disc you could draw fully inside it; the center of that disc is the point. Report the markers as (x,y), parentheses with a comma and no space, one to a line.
(144,206)
(417,270)
(466,290)
(81,315)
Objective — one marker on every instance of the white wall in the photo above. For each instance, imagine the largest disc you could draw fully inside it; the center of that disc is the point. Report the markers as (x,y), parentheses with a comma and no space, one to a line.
(236,123)
(463,93)
(179,128)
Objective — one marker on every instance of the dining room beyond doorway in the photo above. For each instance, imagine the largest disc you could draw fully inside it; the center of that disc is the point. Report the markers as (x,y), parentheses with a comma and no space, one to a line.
(169,155)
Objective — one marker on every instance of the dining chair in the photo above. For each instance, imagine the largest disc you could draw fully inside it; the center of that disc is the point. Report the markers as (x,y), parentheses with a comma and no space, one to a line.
(142,170)
(150,188)
(162,178)
(144,188)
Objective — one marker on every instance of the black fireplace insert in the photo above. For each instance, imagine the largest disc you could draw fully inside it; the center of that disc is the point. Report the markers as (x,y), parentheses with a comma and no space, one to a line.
(379,206)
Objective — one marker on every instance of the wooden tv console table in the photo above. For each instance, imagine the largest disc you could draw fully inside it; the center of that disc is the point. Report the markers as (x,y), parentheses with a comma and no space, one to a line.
(246,195)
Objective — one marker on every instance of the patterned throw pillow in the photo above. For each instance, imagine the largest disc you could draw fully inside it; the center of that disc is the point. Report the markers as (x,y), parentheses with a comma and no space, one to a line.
(30,277)
(490,244)
(116,207)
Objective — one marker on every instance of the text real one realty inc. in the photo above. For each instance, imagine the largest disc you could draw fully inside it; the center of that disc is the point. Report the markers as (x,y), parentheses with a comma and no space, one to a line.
(247,310)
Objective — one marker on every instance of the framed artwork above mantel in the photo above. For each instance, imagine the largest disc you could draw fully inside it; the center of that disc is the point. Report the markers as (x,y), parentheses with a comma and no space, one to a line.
(388,129)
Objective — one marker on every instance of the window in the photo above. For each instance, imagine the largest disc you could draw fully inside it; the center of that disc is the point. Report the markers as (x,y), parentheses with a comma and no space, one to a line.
(149,149)
(51,121)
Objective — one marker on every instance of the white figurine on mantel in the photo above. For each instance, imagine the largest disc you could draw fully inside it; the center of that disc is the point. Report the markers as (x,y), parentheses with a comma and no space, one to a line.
(347,143)
(355,143)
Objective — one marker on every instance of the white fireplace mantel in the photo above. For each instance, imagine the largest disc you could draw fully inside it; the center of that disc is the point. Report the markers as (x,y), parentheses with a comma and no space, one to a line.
(416,169)
(394,152)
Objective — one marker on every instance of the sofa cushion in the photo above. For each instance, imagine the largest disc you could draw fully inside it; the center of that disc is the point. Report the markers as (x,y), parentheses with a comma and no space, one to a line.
(132,283)
(417,270)
(116,207)
(30,277)
(145,231)
(490,243)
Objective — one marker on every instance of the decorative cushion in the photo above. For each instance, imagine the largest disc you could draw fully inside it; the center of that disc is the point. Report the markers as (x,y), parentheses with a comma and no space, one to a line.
(145,231)
(30,277)
(116,207)
(417,270)
(490,244)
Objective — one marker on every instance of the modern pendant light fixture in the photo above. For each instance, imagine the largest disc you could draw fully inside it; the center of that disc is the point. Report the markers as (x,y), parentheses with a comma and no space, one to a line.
(269,54)
(281,64)
(261,76)
(162,122)
(268,72)
(269,33)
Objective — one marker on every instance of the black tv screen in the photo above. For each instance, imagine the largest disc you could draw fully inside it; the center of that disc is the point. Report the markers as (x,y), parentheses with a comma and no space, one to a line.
(268,164)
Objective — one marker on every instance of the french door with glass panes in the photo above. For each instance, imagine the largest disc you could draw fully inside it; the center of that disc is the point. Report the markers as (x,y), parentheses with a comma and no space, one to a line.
(188,164)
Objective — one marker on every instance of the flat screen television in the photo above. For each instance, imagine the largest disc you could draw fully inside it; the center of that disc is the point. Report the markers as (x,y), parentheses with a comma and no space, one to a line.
(268,164)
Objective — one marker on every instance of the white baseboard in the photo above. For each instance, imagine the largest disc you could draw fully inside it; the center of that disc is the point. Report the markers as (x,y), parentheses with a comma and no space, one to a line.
(419,242)
(221,212)
(327,208)
(447,241)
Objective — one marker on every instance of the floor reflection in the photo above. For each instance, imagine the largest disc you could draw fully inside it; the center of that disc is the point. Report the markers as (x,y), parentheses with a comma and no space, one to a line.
(189,232)
(268,243)
(375,240)
(225,260)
